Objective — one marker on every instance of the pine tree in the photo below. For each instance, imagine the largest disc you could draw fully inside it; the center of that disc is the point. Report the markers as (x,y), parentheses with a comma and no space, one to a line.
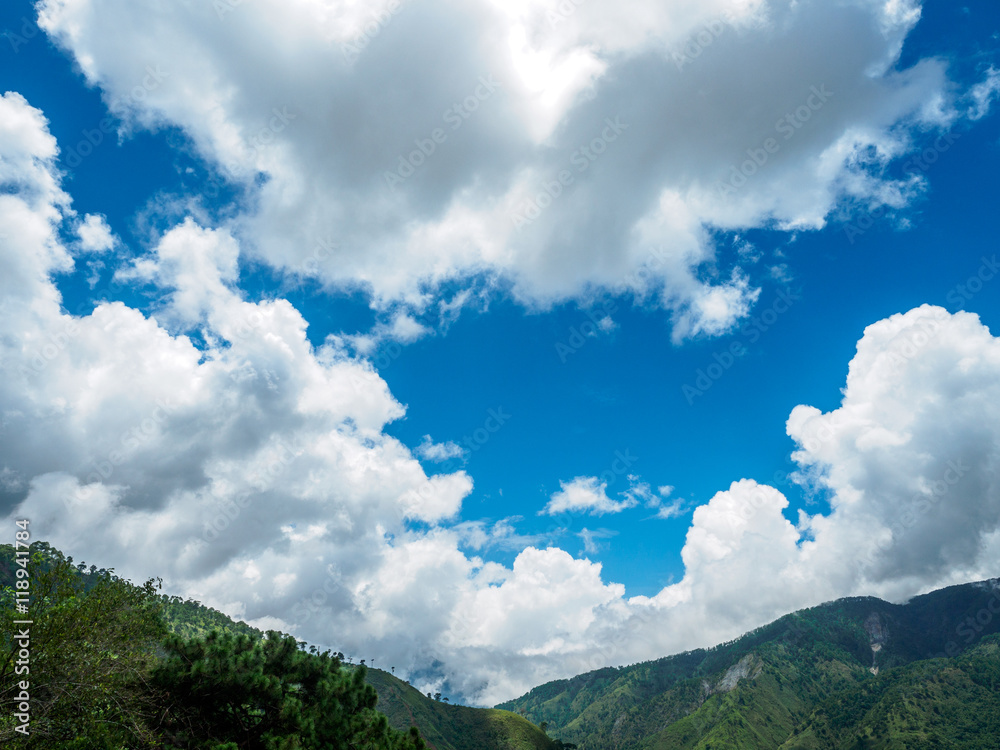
(232,692)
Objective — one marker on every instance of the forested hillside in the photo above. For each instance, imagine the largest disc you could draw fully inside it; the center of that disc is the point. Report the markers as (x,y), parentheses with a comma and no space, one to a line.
(117,665)
(104,673)
(449,727)
(827,674)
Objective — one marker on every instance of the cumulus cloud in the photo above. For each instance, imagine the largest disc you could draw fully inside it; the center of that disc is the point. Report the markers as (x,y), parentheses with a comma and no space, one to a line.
(560,148)
(212,444)
(253,471)
(94,234)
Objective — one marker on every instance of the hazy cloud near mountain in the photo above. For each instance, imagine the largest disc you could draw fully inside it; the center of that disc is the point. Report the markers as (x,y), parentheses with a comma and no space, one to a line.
(254,473)
(558,147)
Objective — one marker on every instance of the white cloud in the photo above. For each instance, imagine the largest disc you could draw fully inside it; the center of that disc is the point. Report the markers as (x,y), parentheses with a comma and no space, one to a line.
(95,234)
(509,117)
(983,94)
(431,451)
(587,495)
(674,509)
(591,539)
(255,472)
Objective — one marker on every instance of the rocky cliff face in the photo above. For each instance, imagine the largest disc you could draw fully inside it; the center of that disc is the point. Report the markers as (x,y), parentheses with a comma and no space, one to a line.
(878,634)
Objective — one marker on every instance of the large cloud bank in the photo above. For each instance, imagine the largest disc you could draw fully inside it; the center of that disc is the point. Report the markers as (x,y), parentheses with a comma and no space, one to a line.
(557,148)
(253,471)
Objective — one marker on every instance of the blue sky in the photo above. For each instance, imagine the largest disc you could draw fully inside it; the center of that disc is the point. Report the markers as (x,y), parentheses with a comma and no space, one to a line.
(789,273)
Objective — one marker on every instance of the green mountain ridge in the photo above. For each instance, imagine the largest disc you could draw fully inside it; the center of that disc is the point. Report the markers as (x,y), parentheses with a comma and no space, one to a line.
(762,690)
(853,674)
(451,727)
(441,725)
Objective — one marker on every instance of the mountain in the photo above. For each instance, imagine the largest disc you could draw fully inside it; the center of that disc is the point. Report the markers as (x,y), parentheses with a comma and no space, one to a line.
(848,675)
(937,703)
(839,675)
(447,727)
(443,726)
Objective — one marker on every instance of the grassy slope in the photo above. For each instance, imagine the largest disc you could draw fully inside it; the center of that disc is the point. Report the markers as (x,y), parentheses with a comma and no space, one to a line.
(797,663)
(447,727)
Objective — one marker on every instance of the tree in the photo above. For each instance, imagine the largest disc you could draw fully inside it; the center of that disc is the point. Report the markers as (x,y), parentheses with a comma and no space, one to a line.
(230,692)
(92,639)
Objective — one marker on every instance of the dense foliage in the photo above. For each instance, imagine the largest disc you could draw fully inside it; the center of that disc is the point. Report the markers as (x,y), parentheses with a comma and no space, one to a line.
(105,674)
(451,727)
(191,619)
(232,691)
(92,643)
(821,678)
(114,665)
